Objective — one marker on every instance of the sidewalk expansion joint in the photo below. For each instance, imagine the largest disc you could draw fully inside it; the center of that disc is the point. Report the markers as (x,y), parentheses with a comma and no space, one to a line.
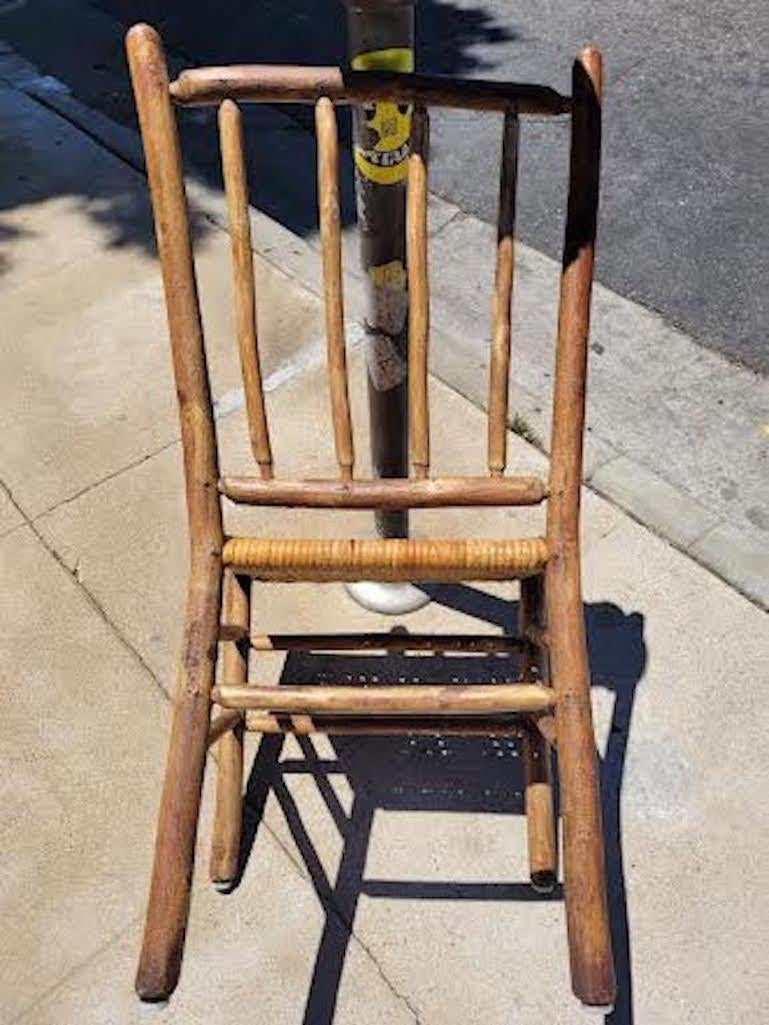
(92,600)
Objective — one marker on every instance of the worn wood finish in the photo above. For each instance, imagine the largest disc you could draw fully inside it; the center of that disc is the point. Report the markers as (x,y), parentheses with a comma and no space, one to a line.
(236,191)
(546,726)
(228,814)
(168,907)
(499,370)
(486,644)
(277,83)
(419,292)
(542,714)
(385,726)
(538,794)
(584,871)
(406,699)
(331,254)
(386,493)
(391,559)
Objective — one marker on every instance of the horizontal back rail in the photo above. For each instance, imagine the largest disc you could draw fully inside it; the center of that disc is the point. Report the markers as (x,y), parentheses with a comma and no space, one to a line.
(385,492)
(278,83)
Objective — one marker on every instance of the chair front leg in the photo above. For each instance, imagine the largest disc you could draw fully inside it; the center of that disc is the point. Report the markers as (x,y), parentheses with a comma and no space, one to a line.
(538,793)
(169,899)
(228,817)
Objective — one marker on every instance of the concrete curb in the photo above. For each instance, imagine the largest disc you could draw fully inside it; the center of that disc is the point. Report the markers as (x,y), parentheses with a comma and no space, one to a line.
(736,553)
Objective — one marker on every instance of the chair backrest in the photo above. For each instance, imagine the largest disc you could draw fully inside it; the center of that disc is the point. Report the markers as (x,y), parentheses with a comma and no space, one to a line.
(326,88)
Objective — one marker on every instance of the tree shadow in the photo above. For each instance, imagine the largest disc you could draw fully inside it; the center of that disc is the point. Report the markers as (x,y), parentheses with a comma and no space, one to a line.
(280,141)
(439,773)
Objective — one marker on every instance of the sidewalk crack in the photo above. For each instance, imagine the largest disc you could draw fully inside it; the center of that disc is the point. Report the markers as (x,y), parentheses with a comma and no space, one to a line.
(74,576)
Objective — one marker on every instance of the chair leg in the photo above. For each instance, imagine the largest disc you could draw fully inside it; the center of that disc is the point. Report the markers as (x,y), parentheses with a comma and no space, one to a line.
(169,899)
(587,919)
(540,816)
(228,818)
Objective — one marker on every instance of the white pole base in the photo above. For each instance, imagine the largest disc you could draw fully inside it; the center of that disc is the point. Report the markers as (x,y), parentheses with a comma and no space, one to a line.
(390,599)
(596,1010)
(150,1010)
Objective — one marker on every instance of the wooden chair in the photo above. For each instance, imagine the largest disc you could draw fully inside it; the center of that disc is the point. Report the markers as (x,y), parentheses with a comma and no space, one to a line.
(551,704)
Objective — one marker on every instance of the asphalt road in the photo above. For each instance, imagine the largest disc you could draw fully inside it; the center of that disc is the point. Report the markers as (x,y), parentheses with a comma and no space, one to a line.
(684,224)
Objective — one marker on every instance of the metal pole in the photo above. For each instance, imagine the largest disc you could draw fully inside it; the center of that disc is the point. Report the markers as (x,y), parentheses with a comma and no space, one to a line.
(381,37)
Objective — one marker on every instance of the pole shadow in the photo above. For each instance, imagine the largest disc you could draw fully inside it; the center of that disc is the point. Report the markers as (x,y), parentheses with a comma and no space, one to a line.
(439,773)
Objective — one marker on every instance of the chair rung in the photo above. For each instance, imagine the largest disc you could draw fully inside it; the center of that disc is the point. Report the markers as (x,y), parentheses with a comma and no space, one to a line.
(385,725)
(485,644)
(390,559)
(409,699)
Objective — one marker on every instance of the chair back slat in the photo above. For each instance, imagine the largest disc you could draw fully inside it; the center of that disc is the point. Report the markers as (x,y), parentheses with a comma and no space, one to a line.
(499,370)
(331,250)
(419,292)
(236,190)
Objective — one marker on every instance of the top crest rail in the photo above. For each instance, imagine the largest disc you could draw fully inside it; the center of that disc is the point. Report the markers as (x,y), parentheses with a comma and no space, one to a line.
(278,83)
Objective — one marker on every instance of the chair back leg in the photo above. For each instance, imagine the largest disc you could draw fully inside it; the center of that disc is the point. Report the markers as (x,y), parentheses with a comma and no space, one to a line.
(169,898)
(587,918)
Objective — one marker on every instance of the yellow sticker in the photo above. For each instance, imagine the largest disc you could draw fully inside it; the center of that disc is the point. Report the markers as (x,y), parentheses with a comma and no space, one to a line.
(382,158)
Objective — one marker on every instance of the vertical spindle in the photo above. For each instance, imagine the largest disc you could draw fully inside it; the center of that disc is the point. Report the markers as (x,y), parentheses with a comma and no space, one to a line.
(419,292)
(236,190)
(499,371)
(331,250)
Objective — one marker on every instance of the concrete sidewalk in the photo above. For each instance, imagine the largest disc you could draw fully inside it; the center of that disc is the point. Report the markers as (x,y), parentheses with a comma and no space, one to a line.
(384,881)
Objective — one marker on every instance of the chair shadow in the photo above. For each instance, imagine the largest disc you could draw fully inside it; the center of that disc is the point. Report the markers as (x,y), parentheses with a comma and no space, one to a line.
(456,774)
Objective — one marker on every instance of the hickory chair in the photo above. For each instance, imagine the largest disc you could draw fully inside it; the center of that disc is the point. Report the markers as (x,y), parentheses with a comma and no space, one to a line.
(550,707)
